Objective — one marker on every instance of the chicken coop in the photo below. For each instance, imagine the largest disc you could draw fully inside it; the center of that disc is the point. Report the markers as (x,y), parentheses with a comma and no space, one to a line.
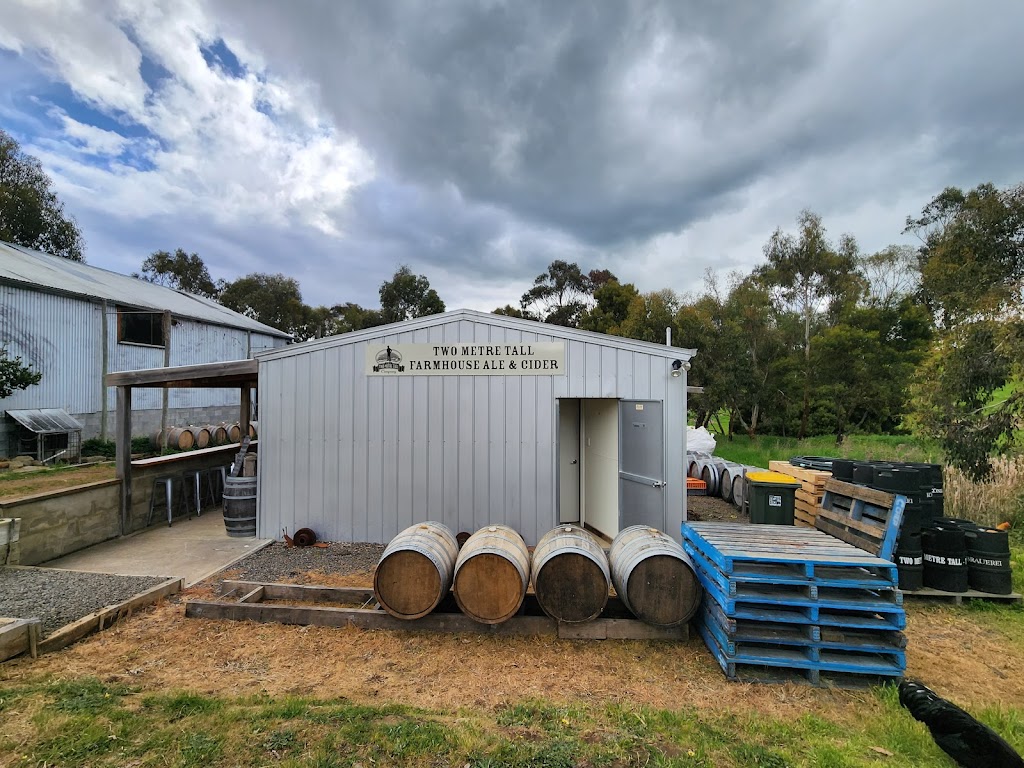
(470,419)
(45,434)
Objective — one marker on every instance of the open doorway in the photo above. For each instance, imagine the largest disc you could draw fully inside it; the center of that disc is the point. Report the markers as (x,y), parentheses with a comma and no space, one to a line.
(588,464)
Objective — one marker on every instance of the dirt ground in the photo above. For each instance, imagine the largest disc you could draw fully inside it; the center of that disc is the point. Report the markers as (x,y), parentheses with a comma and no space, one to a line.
(160,650)
(35,480)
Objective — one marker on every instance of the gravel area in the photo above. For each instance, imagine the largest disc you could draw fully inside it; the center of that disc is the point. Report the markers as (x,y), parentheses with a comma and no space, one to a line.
(61,597)
(279,561)
(711,509)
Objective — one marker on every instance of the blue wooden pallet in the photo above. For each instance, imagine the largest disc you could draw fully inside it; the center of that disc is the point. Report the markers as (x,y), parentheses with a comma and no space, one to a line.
(786,573)
(785,662)
(793,585)
(823,617)
(733,633)
(773,552)
(843,616)
(749,595)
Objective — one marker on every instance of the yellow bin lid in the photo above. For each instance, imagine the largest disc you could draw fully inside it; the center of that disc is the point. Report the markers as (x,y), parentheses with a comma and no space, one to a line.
(770,477)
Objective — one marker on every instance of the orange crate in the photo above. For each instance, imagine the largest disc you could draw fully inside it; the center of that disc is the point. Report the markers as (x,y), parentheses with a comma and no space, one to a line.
(695,487)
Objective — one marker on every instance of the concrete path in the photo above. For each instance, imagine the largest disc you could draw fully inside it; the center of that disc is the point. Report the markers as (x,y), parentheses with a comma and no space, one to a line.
(193,549)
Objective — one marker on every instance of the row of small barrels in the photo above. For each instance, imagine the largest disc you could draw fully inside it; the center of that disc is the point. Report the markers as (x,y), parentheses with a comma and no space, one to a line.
(955,555)
(721,478)
(203,436)
(569,570)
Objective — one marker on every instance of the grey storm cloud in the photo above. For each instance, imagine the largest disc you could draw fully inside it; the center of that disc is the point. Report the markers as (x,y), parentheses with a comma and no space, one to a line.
(594,118)
(615,122)
(655,139)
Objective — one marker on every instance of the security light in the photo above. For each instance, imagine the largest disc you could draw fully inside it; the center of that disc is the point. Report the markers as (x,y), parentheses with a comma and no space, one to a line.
(677,366)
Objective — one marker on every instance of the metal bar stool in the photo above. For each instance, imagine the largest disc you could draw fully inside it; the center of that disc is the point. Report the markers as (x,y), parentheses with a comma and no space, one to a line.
(166,487)
(193,479)
(217,479)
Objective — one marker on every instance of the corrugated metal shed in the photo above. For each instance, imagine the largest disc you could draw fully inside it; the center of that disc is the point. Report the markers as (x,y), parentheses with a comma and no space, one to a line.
(63,318)
(41,271)
(359,457)
(45,421)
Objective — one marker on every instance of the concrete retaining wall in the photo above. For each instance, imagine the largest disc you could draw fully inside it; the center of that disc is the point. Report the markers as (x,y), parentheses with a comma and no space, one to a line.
(59,522)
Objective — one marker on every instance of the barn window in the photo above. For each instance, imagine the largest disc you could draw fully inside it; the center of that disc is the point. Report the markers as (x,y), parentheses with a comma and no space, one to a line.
(135,327)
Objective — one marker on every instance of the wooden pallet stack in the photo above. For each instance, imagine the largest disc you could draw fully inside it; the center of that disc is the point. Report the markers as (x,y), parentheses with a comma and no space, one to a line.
(809,495)
(783,602)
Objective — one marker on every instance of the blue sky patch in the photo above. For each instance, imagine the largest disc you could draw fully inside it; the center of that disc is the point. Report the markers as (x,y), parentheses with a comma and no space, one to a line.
(219,56)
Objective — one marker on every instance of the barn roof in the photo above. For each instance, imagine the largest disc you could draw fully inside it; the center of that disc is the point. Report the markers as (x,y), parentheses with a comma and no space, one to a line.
(487,318)
(35,270)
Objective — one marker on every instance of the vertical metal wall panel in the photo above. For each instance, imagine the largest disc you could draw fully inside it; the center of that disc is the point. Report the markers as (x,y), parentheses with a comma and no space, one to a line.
(323,453)
(57,335)
(268,494)
(347,377)
(463,450)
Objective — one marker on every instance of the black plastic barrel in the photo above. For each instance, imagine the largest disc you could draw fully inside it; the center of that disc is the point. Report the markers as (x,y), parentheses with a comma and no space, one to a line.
(910,562)
(240,506)
(842,469)
(896,479)
(988,560)
(863,472)
(945,558)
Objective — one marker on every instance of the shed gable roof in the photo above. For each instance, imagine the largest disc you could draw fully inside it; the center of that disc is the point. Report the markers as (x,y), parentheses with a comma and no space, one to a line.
(487,318)
(37,270)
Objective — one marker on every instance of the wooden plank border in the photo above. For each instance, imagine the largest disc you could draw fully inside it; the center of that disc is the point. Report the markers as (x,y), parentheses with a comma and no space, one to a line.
(108,616)
(19,636)
(249,608)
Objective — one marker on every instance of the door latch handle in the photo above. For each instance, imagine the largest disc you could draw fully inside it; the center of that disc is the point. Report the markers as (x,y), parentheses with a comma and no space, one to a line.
(659,484)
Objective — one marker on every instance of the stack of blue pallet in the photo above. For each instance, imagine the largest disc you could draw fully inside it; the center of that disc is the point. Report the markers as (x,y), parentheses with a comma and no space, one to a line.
(796,603)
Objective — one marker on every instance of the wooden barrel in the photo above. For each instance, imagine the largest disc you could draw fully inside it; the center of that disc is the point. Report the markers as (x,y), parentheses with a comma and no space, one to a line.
(710,473)
(654,577)
(254,428)
(728,479)
(201,436)
(177,437)
(739,478)
(570,574)
(491,574)
(234,432)
(240,506)
(218,434)
(415,571)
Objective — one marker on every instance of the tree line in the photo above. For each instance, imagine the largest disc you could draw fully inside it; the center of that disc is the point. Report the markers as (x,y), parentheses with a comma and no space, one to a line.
(819,338)
(276,300)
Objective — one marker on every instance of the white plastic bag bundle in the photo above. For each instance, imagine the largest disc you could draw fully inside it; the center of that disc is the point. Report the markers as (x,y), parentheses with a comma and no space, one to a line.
(699,440)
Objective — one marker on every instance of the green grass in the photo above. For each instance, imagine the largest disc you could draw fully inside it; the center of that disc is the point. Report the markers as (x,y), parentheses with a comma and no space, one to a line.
(758,451)
(86,722)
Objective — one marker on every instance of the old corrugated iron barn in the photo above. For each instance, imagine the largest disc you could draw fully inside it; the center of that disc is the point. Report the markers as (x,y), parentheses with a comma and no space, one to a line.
(470,418)
(75,323)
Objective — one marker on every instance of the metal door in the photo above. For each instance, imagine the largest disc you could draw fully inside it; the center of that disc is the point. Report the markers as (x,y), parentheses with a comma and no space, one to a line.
(641,464)
(568,461)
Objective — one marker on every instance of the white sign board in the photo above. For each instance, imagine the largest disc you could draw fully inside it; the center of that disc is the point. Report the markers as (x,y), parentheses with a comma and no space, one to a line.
(545,358)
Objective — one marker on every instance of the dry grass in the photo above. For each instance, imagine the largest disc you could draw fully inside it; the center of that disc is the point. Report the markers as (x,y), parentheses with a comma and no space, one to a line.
(990,503)
(159,650)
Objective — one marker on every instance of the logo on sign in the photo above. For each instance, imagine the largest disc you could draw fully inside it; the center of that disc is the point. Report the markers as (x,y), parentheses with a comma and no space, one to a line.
(388,361)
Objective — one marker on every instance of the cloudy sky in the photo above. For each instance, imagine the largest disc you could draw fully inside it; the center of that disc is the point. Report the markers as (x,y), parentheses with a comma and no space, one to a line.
(477,141)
